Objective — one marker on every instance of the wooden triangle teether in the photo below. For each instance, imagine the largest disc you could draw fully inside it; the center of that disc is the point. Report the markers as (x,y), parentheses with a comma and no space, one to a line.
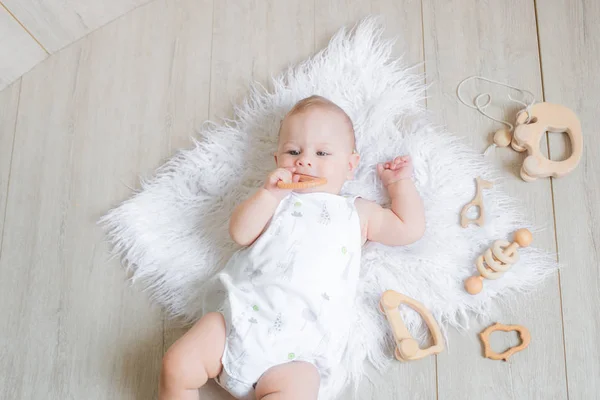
(407,348)
(485,337)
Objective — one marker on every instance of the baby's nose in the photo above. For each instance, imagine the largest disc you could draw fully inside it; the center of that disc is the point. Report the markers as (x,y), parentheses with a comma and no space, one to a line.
(304,162)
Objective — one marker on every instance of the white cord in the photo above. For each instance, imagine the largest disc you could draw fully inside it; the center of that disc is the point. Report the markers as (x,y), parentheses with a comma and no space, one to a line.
(481,107)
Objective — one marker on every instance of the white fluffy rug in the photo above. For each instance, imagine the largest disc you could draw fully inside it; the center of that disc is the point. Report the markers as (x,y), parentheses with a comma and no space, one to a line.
(173,234)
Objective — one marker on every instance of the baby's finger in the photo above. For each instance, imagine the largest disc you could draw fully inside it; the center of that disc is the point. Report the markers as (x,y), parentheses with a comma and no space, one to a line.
(379,168)
(283,175)
(274,178)
(401,159)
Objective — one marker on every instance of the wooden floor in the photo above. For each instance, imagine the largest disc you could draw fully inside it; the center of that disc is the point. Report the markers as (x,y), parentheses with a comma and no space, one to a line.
(78,130)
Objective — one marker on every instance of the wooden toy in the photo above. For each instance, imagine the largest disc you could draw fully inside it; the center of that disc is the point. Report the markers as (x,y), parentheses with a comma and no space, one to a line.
(407,348)
(485,337)
(476,202)
(502,137)
(531,126)
(497,260)
(305,182)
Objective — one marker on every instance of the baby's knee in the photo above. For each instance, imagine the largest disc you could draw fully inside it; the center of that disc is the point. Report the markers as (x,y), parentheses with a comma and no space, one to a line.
(296,380)
(171,371)
(308,374)
(177,374)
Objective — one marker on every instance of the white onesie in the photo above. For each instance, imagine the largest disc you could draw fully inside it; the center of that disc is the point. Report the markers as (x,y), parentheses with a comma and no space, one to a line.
(289,296)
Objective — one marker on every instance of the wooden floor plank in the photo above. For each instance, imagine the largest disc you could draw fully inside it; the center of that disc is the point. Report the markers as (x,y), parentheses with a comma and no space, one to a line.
(91,119)
(570,52)
(253,41)
(56,24)
(9,102)
(496,40)
(19,52)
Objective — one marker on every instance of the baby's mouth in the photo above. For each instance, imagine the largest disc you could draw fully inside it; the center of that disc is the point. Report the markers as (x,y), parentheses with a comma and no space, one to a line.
(306,176)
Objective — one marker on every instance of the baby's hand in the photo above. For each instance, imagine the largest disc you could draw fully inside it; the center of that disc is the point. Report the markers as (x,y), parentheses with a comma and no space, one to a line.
(395,170)
(280,174)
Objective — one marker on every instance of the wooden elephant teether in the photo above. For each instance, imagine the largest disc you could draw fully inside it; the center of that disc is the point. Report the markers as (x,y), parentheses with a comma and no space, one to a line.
(407,348)
(527,136)
(305,182)
(497,260)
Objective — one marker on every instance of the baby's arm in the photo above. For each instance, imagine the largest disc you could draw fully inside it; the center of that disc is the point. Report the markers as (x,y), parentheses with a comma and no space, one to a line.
(404,223)
(249,219)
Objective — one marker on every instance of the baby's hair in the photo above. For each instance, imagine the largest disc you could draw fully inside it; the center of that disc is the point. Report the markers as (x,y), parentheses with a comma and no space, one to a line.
(319,101)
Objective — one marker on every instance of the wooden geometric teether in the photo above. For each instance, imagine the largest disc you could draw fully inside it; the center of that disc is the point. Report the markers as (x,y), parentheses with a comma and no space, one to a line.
(305,182)
(485,338)
(498,259)
(476,202)
(407,348)
(531,126)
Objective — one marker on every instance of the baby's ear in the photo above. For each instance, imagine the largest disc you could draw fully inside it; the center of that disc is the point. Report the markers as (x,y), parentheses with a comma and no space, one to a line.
(275,157)
(353,164)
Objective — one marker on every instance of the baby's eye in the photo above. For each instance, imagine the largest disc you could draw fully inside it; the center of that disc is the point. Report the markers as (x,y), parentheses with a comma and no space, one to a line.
(293,152)
(322,153)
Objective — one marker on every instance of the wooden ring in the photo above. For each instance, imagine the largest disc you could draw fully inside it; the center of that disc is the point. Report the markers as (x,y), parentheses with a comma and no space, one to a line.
(305,182)
(523,334)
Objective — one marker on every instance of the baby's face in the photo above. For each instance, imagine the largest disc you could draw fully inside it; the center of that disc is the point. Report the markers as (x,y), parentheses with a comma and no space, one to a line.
(318,142)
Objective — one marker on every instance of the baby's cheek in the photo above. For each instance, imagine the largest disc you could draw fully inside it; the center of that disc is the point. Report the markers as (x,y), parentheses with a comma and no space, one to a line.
(285,161)
(335,172)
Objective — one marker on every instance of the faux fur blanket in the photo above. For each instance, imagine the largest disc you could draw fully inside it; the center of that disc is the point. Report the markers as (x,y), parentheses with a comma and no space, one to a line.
(173,233)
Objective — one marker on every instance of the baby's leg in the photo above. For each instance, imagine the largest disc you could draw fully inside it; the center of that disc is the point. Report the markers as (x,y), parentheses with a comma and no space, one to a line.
(193,359)
(291,381)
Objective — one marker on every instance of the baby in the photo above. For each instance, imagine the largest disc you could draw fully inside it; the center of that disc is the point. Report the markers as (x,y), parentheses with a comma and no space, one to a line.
(287,312)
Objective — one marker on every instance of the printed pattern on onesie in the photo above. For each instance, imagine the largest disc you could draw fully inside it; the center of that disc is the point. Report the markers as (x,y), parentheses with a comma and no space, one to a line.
(290,292)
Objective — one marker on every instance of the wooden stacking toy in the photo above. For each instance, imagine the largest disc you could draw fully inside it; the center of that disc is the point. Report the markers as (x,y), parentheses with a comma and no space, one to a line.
(497,260)
(407,348)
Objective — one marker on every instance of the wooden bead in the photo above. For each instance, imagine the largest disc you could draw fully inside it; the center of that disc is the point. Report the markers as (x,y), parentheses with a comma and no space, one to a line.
(474,284)
(523,237)
(408,348)
(502,137)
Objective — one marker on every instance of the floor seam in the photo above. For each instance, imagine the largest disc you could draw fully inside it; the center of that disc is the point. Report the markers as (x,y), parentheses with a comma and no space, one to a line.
(562,318)
(10,166)
(24,27)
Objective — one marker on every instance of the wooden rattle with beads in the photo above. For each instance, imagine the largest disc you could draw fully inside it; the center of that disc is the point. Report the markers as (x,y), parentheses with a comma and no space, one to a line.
(498,259)
(305,182)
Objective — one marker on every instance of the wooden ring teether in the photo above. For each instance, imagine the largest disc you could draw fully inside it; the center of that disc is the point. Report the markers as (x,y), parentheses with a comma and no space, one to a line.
(546,117)
(485,338)
(305,182)
(407,348)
